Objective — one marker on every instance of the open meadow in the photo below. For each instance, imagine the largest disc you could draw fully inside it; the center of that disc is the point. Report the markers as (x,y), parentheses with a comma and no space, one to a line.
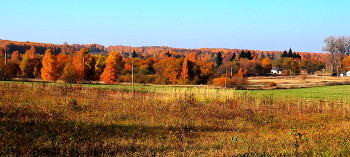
(47,119)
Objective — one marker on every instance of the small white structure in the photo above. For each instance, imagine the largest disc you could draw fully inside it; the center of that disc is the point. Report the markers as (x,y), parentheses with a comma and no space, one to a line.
(347,73)
(275,71)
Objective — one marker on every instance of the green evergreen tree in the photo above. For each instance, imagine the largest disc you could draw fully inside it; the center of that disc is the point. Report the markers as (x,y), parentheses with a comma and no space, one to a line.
(284,54)
(168,54)
(290,53)
(242,54)
(134,54)
(233,57)
(249,55)
(218,59)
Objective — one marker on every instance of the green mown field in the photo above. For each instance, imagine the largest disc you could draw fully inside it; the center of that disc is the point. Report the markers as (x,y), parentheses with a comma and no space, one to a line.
(44,119)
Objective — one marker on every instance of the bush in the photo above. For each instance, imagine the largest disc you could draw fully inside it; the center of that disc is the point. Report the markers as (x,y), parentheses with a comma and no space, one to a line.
(272,84)
(221,81)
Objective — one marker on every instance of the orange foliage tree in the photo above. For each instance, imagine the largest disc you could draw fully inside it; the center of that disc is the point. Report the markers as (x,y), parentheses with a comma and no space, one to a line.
(32,53)
(109,74)
(48,71)
(16,57)
(184,70)
(61,59)
(239,78)
(79,62)
(346,63)
(266,64)
(207,71)
(172,71)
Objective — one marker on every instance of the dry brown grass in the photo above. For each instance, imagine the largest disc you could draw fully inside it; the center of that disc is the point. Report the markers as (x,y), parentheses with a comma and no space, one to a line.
(45,120)
(296,79)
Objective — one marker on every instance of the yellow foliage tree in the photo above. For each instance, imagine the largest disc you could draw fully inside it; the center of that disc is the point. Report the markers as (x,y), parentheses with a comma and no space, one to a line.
(266,65)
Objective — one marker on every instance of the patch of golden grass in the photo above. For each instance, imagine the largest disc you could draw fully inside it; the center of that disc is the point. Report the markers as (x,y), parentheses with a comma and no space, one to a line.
(40,119)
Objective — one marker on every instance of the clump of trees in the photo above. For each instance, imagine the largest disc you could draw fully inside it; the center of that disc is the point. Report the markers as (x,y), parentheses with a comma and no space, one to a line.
(154,64)
(339,48)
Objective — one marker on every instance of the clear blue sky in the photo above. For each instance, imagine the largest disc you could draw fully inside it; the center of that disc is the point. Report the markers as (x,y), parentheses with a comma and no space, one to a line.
(243,24)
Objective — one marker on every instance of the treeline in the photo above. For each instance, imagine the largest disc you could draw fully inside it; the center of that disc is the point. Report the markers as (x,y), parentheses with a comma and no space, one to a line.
(148,64)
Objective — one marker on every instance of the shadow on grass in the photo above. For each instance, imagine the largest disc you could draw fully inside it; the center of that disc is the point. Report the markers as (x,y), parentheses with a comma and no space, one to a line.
(24,131)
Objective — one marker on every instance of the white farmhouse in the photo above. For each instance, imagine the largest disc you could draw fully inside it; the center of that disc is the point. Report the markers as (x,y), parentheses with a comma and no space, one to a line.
(276,71)
(347,73)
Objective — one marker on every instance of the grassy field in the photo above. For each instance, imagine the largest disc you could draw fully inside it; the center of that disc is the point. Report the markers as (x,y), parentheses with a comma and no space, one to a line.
(43,119)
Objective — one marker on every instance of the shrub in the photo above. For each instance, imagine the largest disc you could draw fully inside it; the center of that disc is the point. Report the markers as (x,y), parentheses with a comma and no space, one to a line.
(272,84)
(221,81)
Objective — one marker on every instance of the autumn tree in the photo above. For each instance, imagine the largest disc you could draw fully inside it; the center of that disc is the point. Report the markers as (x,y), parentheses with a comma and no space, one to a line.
(16,57)
(48,71)
(338,47)
(291,66)
(89,66)
(32,53)
(207,71)
(240,77)
(172,71)
(192,57)
(30,64)
(184,70)
(62,59)
(99,66)
(266,64)
(25,66)
(2,64)
(231,67)
(79,62)
(312,65)
(346,63)
(109,74)
(255,68)
(168,70)
(12,69)
(69,75)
